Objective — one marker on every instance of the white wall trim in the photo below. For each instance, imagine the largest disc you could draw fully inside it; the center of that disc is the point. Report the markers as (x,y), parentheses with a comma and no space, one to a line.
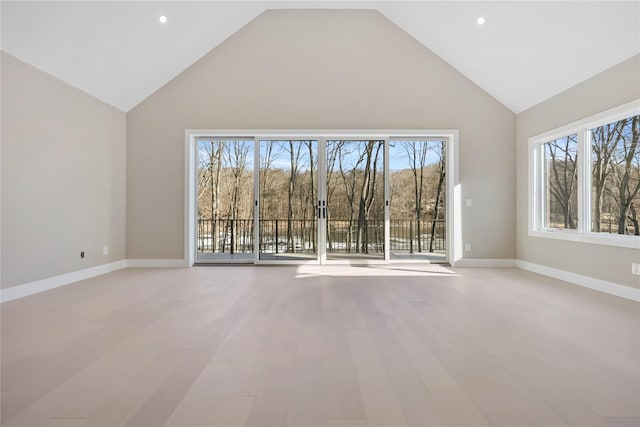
(37,286)
(156,263)
(485,263)
(31,288)
(585,281)
(453,192)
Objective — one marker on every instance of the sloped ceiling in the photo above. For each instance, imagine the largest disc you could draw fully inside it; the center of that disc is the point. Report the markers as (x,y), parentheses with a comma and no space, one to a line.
(120,53)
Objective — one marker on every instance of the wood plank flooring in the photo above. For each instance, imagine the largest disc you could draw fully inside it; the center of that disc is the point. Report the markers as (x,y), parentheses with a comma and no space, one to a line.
(320,346)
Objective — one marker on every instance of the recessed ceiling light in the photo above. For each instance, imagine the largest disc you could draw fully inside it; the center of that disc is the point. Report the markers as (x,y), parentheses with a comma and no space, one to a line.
(480,20)
(162,19)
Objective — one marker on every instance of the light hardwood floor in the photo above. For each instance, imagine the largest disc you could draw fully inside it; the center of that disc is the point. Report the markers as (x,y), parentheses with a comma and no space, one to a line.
(321,346)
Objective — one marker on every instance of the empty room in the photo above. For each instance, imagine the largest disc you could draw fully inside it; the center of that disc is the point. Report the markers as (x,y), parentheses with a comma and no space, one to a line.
(320,213)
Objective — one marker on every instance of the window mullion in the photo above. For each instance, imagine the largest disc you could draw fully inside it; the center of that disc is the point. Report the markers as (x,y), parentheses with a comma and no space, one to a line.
(583,181)
(542,189)
(536,174)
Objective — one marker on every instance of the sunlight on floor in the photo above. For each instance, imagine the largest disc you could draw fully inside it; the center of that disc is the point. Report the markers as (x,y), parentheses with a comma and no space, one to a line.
(373,270)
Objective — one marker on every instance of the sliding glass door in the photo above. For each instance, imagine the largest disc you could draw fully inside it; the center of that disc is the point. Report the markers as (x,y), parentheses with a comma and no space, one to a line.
(224,200)
(288,195)
(320,200)
(417,198)
(355,200)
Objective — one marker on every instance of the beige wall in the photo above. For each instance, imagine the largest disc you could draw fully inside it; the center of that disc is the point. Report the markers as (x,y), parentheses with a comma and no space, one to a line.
(63,177)
(311,69)
(616,86)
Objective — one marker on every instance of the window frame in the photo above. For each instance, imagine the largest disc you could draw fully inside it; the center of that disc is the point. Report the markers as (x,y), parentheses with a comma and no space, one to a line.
(537,188)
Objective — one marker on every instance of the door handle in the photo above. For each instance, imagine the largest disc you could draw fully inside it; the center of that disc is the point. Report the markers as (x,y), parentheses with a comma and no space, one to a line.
(324,213)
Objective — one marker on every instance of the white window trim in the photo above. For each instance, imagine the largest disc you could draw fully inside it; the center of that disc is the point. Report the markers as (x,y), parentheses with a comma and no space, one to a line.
(453,195)
(536,199)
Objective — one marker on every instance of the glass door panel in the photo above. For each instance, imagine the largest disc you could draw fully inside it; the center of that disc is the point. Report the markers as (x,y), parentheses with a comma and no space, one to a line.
(417,211)
(288,186)
(225,179)
(355,199)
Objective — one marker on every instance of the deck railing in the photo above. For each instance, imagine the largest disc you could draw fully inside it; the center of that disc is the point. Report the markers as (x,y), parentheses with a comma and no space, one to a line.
(300,236)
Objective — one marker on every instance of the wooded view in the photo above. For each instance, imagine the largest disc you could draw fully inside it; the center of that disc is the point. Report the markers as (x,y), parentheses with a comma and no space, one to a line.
(615,179)
(562,182)
(288,197)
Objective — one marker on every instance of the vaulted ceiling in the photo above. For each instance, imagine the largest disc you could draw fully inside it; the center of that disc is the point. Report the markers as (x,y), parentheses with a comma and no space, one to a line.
(119,52)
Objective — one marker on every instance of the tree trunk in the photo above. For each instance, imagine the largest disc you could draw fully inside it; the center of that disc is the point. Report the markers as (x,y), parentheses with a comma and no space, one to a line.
(441,180)
(215,194)
(634,219)
(626,191)
(603,147)
(364,194)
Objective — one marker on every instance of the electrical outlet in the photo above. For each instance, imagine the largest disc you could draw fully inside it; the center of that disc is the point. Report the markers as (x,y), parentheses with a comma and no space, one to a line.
(105,250)
(82,255)
(635,268)
(469,203)
(467,247)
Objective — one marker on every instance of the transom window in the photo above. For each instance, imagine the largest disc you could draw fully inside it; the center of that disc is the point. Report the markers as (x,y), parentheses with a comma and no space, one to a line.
(584,179)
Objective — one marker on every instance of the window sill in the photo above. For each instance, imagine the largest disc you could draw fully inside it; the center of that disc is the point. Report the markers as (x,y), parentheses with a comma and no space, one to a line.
(632,242)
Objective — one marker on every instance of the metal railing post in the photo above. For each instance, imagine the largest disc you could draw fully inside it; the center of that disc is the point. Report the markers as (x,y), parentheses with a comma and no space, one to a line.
(410,237)
(233,232)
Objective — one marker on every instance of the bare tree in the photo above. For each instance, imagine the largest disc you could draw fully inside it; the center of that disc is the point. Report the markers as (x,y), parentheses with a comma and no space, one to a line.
(633,217)
(440,152)
(334,150)
(604,140)
(564,175)
(370,155)
(204,177)
(625,167)
(266,160)
(236,160)
(294,151)
(209,169)
(417,155)
(349,178)
(310,200)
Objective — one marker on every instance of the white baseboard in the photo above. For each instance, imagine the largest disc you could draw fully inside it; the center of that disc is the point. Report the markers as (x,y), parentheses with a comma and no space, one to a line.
(156,263)
(30,288)
(577,279)
(486,263)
